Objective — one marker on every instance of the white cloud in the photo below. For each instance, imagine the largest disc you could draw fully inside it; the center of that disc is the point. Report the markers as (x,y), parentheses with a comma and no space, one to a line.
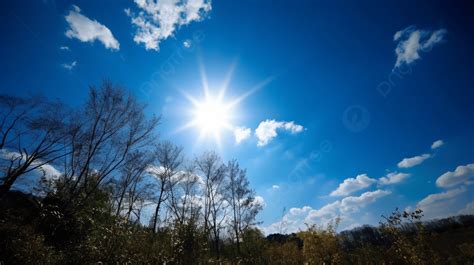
(440,204)
(434,198)
(179,177)
(44,169)
(267,130)
(461,175)
(297,218)
(275,187)
(353,204)
(187,43)
(258,200)
(393,178)
(411,41)
(49,171)
(87,30)
(413,161)
(437,144)
(64,48)
(69,66)
(469,209)
(158,20)
(241,133)
(351,185)
(347,205)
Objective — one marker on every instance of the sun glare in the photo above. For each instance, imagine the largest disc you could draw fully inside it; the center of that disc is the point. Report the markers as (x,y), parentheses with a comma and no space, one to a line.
(212,114)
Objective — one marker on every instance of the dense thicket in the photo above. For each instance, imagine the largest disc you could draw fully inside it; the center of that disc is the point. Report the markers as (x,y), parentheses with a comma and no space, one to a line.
(99,186)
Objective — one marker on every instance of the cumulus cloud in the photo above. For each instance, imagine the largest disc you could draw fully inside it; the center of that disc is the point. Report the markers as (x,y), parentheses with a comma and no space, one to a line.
(241,133)
(275,187)
(158,20)
(351,185)
(434,198)
(437,144)
(297,218)
(267,130)
(88,30)
(259,200)
(353,203)
(441,204)
(347,205)
(393,178)
(413,161)
(411,41)
(462,175)
(69,66)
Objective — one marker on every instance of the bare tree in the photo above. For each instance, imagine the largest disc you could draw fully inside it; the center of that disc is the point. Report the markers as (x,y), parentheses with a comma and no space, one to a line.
(185,200)
(140,196)
(32,134)
(241,199)
(215,205)
(132,174)
(169,159)
(112,126)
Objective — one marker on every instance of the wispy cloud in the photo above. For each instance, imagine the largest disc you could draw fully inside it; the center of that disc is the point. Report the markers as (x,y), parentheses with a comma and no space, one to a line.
(413,161)
(267,130)
(241,133)
(437,144)
(351,185)
(158,20)
(411,41)
(463,174)
(69,66)
(64,48)
(88,30)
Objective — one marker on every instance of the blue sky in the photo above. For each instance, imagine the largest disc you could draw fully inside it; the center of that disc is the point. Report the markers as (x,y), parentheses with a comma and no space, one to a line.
(337,94)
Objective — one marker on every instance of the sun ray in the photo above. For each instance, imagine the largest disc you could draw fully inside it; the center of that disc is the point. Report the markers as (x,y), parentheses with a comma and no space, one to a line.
(212,113)
(188,125)
(251,91)
(189,98)
(227,79)
(205,84)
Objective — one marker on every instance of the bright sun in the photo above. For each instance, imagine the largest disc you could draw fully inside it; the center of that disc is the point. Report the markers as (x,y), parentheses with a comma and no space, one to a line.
(212,114)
